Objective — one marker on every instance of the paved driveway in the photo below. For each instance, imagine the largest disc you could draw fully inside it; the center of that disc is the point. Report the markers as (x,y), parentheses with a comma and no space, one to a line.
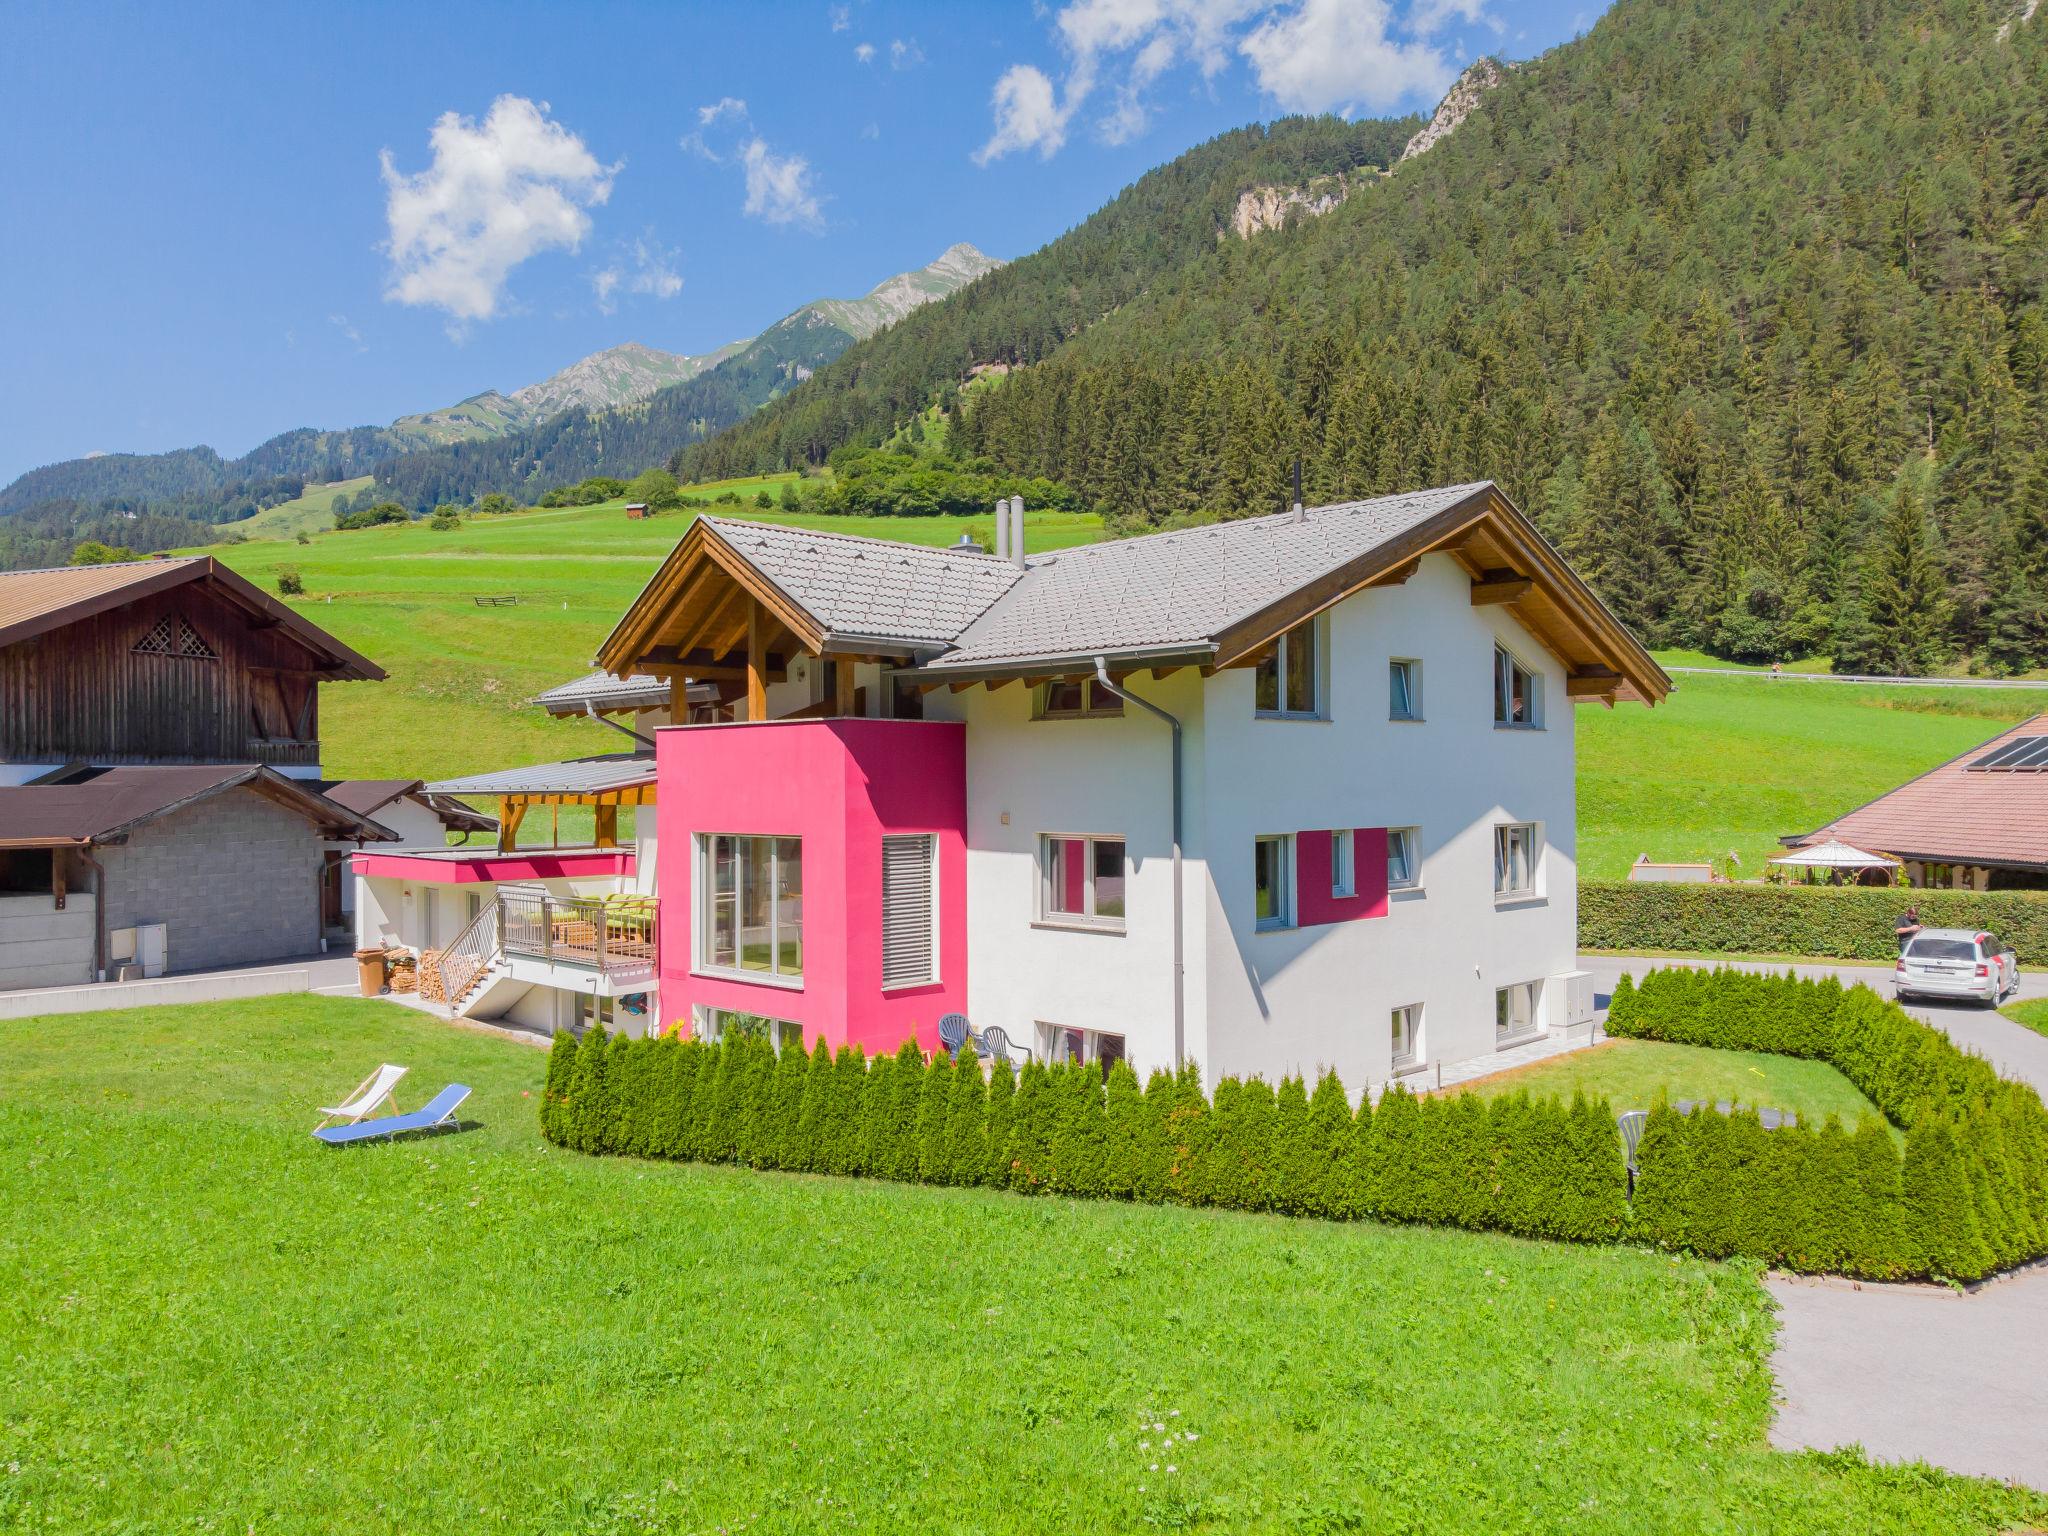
(1915,1372)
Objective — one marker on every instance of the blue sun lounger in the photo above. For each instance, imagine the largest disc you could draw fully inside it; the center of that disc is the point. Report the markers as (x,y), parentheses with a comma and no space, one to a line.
(439,1111)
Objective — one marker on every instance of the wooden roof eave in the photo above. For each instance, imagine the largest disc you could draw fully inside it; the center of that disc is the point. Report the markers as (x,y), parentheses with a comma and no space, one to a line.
(698,555)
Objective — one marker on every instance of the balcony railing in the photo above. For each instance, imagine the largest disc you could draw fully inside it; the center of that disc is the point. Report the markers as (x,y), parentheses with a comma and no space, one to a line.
(612,934)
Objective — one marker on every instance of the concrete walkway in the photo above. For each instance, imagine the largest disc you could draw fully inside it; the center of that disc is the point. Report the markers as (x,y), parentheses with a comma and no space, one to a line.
(329,973)
(1914,1372)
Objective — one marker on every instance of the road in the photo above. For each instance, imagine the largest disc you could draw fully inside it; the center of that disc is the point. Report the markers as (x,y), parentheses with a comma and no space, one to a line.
(2036,683)
(1915,1372)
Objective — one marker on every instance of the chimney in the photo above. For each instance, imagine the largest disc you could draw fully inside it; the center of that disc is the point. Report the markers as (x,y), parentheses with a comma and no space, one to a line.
(1003,530)
(1300,512)
(1017,531)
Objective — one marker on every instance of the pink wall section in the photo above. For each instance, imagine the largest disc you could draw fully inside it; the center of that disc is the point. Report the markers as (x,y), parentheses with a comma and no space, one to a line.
(840,785)
(1313,903)
(534,865)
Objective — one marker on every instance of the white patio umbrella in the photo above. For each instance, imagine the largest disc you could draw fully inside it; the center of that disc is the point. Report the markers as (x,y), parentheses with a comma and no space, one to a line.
(1834,854)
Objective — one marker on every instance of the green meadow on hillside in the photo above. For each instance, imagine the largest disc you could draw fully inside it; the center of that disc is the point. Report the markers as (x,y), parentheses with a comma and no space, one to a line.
(216,1324)
(311,513)
(1726,764)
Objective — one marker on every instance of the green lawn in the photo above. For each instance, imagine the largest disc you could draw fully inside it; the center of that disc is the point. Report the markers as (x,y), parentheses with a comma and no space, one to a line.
(2033,1014)
(215,1324)
(1631,1073)
(312,512)
(462,676)
(1729,764)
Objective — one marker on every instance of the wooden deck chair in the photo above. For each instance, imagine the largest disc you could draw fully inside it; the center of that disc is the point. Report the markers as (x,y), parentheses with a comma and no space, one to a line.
(369,1093)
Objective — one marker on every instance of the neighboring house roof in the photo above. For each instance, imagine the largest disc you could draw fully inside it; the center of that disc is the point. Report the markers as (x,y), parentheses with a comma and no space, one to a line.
(110,804)
(35,602)
(366,797)
(1213,595)
(1956,813)
(580,776)
(617,695)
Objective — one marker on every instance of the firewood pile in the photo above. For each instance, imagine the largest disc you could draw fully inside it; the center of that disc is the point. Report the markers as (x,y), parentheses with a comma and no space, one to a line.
(432,988)
(404,974)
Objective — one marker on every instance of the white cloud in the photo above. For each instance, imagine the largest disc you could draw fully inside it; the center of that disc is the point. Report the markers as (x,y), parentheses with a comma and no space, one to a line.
(644,267)
(349,332)
(779,188)
(497,193)
(872,131)
(719,110)
(865,52)
(1326,55)
(1308,55)
(904,55)
(841,17)
(1027,116)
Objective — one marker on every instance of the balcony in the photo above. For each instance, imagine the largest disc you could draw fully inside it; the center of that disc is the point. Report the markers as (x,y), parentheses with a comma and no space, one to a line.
(615,936)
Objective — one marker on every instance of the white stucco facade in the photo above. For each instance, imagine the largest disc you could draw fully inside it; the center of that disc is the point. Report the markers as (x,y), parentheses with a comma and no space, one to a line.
(1301,997)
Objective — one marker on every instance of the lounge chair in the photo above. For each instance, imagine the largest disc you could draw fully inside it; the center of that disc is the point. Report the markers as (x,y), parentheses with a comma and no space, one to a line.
(369,1093)
(438,1113)
(954,1032)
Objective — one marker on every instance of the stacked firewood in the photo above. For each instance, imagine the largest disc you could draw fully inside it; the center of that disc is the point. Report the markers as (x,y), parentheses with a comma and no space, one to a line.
(432,988)
(404,974)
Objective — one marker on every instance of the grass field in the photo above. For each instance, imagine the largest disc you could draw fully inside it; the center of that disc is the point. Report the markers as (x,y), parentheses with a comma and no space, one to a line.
(310,513)
(2033,1014)
(1728,764)
(461,675)
(1724,765)
(215,1324)
(1630,1074)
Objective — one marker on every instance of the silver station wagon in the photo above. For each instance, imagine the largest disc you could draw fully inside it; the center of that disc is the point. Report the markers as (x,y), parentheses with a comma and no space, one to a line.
(1956,962)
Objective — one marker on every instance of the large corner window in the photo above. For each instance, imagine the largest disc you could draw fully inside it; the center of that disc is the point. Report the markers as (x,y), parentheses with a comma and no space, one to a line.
(750,904)
(910,951)
(1514,859)
(1288,682)
(1078,699)
(1272,883)
(1517,692)
(1082,880)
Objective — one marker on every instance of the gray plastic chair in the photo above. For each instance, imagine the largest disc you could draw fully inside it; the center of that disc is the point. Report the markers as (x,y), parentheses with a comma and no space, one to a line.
(954,1032)
(995,1042)
(1632,1123)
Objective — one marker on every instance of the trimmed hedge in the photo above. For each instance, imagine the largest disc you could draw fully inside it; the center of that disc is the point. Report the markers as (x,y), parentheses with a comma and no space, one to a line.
(1541,1168)
(1969,1197)
(1845,922)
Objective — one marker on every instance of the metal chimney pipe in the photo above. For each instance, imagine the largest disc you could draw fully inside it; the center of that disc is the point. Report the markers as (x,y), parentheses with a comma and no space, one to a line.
(1300,512)
(1003,530)
(1017,531)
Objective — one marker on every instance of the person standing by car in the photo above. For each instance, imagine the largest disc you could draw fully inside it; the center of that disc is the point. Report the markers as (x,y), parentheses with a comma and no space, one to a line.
(1907,924)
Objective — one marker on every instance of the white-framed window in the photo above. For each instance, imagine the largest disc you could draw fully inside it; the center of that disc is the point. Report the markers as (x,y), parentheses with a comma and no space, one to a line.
(1343,863)
(1273,882)
(1404,688)
(1078,699)
(910,912)
(750,906)
(1407,1035)
(1514,859)
(1289,683)
(716,1024)
(1081,880)
(1517,692)
(1404,858)
(1063,1044)
(1514,1010)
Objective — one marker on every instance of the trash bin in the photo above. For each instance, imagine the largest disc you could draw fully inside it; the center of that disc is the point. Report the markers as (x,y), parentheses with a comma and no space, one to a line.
(370,971)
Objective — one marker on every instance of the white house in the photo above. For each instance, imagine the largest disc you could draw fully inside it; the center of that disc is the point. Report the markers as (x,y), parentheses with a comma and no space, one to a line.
(962,781)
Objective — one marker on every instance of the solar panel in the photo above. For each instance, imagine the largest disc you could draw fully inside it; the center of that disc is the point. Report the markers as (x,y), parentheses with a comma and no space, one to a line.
(2028,754)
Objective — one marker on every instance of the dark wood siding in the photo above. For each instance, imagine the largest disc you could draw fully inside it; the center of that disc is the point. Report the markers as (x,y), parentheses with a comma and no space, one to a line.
(83,692)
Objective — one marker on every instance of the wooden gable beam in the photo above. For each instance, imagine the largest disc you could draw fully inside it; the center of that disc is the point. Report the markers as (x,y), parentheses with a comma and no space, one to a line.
(1592,683)
(1501,586)
(1399,576)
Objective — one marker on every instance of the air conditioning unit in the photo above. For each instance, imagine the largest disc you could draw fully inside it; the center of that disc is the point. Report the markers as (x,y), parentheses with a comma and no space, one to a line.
(145,947)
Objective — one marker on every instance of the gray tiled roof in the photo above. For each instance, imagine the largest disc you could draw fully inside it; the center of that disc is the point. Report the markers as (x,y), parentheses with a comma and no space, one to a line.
(1183,588)
(639,691)
(873,587)
(578,776)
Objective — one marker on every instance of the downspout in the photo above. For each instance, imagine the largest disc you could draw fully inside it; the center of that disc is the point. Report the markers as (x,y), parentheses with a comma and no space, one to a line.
(590,709)
(1102,680)
(99,911)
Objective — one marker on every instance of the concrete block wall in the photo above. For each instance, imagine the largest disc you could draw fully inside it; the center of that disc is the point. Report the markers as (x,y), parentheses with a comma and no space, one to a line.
(235,878)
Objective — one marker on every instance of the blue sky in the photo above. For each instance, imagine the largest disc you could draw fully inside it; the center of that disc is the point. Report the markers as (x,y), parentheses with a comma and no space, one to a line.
(227,221)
